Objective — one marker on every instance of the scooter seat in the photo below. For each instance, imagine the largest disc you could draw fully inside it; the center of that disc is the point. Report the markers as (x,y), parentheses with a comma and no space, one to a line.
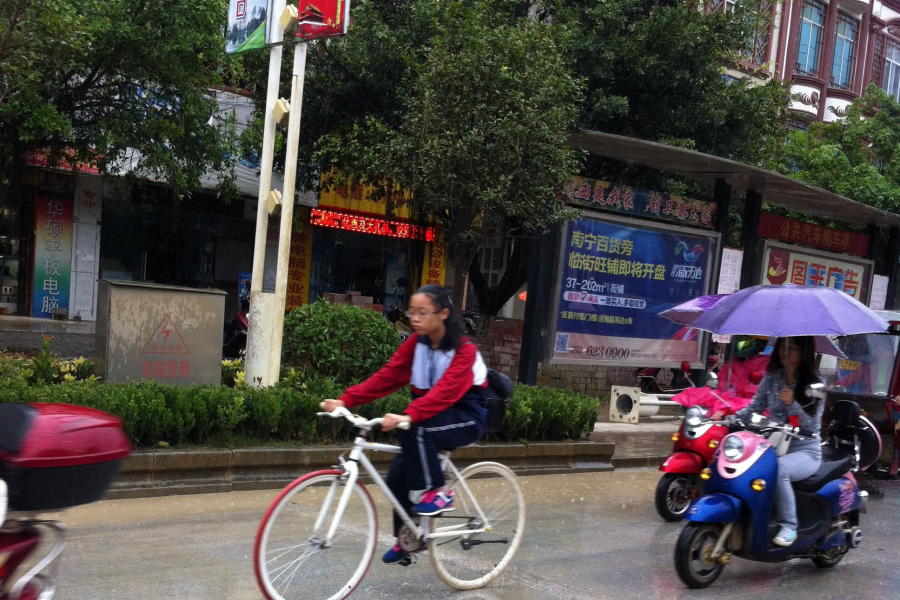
(828,471)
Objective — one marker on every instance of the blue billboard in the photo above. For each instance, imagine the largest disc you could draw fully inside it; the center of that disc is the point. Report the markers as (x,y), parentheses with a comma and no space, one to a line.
(615,279)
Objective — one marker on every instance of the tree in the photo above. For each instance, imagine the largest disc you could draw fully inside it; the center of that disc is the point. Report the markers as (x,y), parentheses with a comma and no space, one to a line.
(481,144)
(655,70)
(643,68)
(99,80)
(857,157)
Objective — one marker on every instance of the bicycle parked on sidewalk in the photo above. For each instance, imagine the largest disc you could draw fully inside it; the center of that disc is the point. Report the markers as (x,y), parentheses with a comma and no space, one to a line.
(318,537)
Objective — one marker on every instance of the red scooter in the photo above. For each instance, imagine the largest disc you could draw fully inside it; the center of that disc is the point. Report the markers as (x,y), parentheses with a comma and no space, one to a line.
(52,456)
(697,439)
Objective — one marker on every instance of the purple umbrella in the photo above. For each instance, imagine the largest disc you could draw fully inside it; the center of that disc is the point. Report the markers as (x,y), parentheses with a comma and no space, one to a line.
(687,312)
(789,310)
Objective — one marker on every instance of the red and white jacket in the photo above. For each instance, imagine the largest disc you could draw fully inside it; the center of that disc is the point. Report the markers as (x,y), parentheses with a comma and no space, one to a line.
(438,379)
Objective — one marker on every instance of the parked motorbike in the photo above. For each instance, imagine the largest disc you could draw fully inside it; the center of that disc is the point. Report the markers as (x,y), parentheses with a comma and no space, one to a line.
(732,517)
(695,443)
(52,457)
(235,344)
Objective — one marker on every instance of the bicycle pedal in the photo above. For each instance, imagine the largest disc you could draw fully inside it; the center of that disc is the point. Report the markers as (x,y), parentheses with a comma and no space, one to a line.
(410,559)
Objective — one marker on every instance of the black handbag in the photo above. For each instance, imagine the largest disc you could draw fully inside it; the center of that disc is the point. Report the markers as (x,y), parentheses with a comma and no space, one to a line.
(497,395)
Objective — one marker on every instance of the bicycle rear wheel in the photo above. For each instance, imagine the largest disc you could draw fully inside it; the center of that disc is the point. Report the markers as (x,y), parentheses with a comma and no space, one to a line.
(472,560)
(292,560)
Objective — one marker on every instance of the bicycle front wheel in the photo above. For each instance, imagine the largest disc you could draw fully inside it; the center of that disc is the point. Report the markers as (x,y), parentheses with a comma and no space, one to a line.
(477,541)
(292,558)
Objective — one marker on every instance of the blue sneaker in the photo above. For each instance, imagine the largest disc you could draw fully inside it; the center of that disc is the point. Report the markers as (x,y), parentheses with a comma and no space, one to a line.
(434,503)
(785,537)
(399,556)
(394,555)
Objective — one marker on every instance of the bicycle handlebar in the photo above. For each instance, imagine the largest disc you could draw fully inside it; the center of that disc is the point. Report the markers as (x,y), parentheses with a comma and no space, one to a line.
(356,420)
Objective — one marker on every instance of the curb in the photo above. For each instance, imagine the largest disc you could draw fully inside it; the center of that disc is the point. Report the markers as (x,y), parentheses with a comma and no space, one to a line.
(169,473)
(638,462)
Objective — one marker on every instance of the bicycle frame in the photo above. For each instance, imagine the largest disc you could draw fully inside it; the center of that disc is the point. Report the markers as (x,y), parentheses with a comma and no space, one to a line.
(351,467)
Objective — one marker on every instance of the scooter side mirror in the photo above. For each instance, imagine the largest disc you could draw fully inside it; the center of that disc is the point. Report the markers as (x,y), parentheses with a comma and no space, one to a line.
(816,390)
(712,381)
(685,367)
(755,377)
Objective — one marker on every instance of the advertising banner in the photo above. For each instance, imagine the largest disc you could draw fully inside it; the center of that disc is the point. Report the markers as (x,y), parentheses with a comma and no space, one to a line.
(810,234)
(299,266)
(53,218)
(614,281)
(322,18)
(787,264)
(246,25)
(602,195)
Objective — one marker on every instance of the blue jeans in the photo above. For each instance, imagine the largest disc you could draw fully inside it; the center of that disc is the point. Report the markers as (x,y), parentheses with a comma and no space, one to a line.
(418,468)
(793,466)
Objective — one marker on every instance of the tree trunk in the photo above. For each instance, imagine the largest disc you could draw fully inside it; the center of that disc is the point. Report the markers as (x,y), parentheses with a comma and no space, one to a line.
(462,259)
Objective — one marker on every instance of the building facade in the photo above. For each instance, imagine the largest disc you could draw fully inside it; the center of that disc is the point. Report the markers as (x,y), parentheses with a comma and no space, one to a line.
(829,51)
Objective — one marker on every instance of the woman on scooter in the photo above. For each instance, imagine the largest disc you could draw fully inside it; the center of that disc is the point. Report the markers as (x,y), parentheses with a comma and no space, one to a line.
(782,391)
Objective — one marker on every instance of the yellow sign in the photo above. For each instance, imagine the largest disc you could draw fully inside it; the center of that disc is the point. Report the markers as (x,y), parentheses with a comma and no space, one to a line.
(850,365)
(354,196)
(434,267)
(300,264)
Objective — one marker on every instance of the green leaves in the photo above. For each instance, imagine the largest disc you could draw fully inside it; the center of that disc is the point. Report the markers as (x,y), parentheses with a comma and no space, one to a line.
(342,342)
(100,78)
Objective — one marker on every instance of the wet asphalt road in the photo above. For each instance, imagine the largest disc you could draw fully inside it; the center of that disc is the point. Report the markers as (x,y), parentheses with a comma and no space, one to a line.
(589,536)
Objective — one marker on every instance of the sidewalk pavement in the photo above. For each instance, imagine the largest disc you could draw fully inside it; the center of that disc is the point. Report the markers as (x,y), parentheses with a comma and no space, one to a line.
(644,444)
(70,339)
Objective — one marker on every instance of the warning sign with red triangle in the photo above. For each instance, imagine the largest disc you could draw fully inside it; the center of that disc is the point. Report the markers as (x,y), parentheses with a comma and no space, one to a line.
(166,340)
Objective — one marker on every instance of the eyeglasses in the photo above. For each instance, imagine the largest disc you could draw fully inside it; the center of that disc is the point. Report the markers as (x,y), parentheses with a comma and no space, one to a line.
(421,315)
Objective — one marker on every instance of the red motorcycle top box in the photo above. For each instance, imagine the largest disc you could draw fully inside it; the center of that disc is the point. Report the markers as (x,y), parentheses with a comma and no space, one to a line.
(55,456)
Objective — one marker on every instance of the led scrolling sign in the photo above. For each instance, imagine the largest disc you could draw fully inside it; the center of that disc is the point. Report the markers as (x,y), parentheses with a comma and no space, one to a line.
(370,225)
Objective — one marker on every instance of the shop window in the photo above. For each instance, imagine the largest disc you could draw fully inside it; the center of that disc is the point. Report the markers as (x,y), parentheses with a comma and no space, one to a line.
(845,41)
(890,66)
(812,29)
(491,262)
(797,125)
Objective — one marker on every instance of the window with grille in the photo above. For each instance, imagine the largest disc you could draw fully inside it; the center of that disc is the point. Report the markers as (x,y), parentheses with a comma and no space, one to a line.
(758,54)
(812,28)
(845,39)
(890,78)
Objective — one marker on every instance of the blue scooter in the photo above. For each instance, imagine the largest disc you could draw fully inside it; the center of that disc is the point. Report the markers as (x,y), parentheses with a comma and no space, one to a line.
(733,517)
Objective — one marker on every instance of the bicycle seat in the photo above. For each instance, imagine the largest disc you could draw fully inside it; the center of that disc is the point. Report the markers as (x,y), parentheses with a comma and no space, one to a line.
(828,471)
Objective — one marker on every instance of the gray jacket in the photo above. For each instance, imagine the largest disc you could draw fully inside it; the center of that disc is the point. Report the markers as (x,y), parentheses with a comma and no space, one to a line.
(766,397)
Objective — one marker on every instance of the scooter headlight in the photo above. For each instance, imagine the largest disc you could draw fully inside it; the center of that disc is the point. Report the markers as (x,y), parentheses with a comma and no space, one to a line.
(694,416)
(733,447)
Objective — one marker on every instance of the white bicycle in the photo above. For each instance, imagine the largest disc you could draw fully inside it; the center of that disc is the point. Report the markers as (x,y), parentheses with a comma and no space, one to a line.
(319,536)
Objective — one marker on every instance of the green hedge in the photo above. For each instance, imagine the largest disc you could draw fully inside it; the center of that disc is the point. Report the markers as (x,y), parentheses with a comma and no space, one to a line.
(220,415)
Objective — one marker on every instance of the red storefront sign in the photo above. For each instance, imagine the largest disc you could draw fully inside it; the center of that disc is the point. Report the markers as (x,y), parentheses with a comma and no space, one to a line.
(825,238)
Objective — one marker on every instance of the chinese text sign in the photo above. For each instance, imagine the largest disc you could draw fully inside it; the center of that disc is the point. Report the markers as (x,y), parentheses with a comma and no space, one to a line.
(52,255)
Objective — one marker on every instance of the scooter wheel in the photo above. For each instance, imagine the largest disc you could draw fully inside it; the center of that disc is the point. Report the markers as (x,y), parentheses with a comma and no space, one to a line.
(829,558)
(692,561)
(674,495)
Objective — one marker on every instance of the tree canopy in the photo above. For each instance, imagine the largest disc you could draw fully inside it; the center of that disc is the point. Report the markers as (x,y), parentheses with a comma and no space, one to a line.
(95,80)
(467,103)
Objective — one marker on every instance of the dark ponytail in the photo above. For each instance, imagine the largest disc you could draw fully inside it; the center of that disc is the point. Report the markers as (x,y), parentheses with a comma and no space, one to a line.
(454,322)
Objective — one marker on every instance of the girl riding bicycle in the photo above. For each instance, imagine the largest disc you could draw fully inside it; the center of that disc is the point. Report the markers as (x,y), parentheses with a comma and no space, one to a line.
(447,378)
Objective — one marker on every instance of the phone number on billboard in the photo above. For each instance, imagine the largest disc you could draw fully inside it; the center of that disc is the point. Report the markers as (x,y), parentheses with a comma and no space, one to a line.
(611,352)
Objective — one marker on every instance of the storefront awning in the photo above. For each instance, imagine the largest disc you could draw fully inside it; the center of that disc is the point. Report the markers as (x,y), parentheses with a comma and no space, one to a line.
(776,189)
